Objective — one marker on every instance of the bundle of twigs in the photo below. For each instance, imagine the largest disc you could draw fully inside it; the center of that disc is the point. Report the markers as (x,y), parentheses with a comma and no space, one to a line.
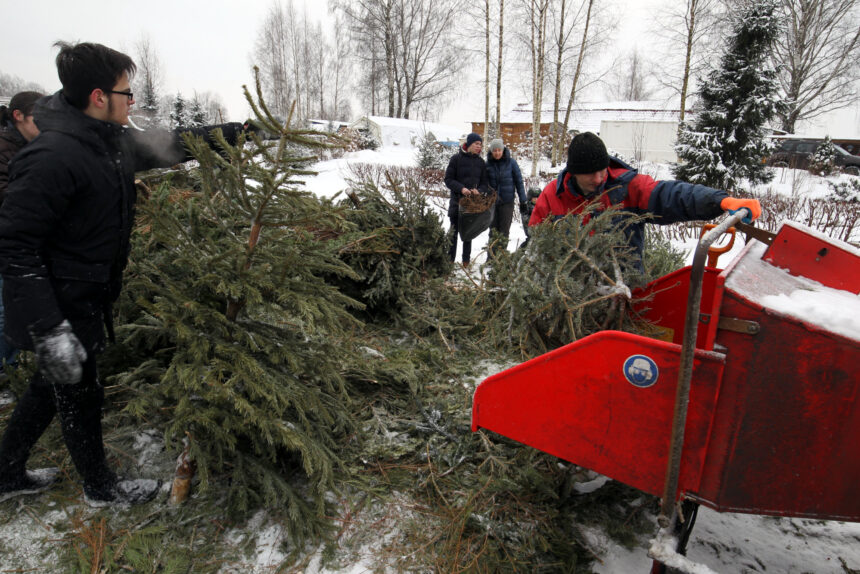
(478,203)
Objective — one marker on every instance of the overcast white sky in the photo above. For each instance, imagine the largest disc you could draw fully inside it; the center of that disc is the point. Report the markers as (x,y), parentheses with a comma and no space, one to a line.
(207,45)
(203,46)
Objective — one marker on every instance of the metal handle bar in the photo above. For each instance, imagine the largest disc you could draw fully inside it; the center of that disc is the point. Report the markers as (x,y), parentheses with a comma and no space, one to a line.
(685,369)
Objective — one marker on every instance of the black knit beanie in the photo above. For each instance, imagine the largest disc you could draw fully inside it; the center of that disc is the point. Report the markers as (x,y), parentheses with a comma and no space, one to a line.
(586,154)
(472,138)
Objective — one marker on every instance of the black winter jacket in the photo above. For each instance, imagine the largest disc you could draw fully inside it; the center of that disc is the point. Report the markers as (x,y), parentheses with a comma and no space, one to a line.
(506,178)
(67,218)
(11,141)
(465,170)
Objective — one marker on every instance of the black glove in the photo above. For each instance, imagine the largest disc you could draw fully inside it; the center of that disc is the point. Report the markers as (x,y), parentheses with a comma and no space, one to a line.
(524,210)
(60,355)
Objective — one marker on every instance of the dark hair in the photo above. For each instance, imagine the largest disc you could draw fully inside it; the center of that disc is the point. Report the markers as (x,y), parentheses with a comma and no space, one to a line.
(23,101)
(85,67)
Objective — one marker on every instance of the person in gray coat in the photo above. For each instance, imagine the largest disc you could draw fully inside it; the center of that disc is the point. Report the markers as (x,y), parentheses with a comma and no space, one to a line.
(506,178)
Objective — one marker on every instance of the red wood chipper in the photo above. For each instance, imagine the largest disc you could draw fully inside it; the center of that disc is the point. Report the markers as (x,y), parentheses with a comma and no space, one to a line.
(750,402)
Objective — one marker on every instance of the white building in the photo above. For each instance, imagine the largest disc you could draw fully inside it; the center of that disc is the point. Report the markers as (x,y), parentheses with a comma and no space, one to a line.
(407,133)
(642,130)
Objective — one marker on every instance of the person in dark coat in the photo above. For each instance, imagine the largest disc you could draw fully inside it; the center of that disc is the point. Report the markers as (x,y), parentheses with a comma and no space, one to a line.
(591,175)
(17,128)
(506,178)
(466,175)
(65,226)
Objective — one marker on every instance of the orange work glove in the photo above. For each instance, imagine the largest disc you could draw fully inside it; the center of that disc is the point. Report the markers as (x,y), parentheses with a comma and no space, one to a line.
(732,204)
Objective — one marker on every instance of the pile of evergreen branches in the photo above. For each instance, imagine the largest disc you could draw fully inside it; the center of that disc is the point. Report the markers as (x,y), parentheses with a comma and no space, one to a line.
(396,243)
(571,281)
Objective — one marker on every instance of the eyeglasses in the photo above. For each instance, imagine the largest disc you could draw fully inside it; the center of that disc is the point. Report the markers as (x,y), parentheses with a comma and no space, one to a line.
(128,94)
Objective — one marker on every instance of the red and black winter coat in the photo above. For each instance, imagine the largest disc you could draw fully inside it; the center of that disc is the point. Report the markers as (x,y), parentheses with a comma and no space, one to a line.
(67,217)
(465,170)
(668,201)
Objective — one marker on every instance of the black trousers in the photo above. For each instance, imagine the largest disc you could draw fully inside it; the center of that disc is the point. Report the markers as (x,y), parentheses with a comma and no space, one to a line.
(79,408)
(452,237)
(500,228)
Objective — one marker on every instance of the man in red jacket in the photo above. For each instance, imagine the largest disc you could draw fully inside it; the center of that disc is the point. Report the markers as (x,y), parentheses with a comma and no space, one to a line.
(591,175)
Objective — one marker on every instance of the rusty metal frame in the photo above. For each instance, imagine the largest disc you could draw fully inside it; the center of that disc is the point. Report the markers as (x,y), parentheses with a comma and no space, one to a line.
(685,370)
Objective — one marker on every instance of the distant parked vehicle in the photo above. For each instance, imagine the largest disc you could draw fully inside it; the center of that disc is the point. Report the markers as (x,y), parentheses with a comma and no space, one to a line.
(796,153)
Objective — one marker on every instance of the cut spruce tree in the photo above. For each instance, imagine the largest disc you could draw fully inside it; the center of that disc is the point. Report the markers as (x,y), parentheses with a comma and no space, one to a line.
(244,338)
(397,242)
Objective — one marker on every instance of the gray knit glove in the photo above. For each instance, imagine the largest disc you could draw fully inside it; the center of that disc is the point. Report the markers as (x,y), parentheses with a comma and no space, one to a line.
(60,355)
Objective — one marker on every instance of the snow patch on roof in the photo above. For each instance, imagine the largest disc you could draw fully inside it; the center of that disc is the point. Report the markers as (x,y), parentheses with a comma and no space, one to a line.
(586,116)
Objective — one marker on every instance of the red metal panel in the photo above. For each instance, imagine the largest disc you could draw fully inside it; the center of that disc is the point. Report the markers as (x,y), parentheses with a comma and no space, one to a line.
(663,303)
(800,252)
(786,432)
(576,403)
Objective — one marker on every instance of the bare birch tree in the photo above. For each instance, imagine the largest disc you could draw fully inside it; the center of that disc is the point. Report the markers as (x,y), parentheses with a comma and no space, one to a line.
(273,54)
(584,44)
(560,38)
(294,38)
(568,16)
(431,54)
(687,29)
(300,62)
(148,78)
(417,41)
(630,83)
(213,106)
(817,56)
(340,99)
(537,12)
(487,70)
(499,68)
(371,28)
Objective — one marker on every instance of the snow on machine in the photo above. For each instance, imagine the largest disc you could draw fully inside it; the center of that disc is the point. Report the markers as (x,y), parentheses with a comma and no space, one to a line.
(746,399)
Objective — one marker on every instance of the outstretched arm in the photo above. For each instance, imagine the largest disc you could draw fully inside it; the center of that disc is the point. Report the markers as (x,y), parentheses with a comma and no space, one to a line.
(163,148)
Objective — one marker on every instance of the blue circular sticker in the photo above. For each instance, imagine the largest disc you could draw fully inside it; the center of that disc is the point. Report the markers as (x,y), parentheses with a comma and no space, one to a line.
(641,371)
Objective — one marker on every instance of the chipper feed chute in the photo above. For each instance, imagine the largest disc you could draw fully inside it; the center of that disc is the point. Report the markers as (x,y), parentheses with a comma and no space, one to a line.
(772,422)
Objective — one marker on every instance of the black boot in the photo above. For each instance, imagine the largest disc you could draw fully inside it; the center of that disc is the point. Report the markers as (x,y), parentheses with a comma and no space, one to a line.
(31,482)
(121,492)
(32,415)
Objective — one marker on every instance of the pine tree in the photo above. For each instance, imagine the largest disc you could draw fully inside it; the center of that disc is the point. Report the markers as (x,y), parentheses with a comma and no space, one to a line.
(149,105)
(197,115)
(179,115)
(243,341)
(429,154)
(727,141)
(823,161)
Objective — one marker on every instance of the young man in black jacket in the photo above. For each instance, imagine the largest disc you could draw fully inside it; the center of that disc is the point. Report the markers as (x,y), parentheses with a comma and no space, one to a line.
(65,226)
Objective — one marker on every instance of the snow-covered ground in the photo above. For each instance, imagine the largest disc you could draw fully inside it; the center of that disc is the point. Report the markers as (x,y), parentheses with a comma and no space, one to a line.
(721,542)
